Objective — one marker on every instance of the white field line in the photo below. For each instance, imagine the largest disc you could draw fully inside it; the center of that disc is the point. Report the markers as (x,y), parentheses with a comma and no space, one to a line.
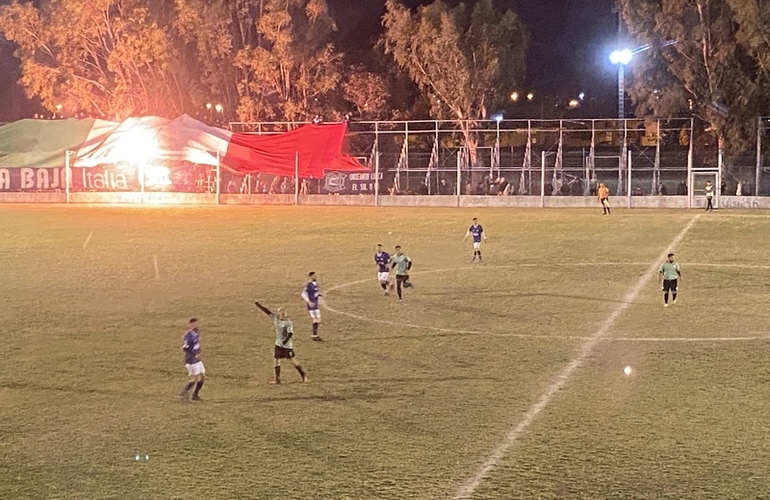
(468,487)
(329,308)
(155,265)
(88,238)
(546,337)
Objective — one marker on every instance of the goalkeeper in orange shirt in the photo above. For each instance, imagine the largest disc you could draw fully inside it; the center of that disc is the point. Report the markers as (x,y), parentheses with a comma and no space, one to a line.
(604,198)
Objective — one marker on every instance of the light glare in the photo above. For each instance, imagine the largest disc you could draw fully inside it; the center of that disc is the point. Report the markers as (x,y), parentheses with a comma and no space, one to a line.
(621,56)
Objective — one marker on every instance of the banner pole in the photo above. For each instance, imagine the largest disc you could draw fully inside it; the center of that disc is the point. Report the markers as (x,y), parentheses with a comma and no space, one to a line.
(459,177)
(219,175)
(296,178)
(628,199)
(542,179)
(67,176)
(377,178)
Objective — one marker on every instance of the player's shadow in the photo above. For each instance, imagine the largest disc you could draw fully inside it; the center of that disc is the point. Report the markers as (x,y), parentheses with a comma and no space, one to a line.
(84,390)
(329,398)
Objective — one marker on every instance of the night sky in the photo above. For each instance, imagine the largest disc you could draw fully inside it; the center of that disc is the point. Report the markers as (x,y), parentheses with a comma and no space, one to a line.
(569,43)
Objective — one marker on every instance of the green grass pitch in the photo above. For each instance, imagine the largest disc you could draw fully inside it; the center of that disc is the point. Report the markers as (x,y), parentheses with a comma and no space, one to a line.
(405,400)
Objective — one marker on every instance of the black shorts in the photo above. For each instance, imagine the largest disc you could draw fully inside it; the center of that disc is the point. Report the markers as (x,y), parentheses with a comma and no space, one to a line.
(283,353)
(402,278)
(669,285)
(604,201)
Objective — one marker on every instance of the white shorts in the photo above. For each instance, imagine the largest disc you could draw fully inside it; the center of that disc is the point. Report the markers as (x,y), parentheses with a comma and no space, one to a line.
(315,313)
(195,369)
(383,276)
(476,245)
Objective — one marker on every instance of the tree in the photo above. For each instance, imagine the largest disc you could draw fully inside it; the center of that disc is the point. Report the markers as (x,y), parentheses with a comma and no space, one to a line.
(465,60)
(367,92)
(105,58)
(753,19)
(708,72)
(294,67)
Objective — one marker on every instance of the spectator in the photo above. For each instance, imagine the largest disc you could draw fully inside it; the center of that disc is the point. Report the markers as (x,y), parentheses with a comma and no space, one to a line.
(593,185)
(304,189)
(681,190)
(275,186)
(503,187)
(443,188)
(723,188)
(285,186)
(738,189)
(422,189)
(231,187)
(662,191)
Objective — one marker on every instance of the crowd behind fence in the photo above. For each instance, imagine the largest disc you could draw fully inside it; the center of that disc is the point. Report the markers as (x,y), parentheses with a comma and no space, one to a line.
(545,158)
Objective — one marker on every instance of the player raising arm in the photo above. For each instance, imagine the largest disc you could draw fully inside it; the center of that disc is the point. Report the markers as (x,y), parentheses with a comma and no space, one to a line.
(284,331)
(478,234)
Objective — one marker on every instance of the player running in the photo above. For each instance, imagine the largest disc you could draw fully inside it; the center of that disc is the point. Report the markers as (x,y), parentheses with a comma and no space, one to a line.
(311,295)
(284,331)
(478,234)
(604,198)
(402,264)
(669,275)
(381,260)
(192,360)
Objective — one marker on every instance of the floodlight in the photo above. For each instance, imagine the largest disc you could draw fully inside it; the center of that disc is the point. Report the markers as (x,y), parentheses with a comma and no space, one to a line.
(621,57)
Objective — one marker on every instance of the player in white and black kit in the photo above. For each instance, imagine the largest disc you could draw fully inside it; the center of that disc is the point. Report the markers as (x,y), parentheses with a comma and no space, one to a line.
(478,234)
(381,260)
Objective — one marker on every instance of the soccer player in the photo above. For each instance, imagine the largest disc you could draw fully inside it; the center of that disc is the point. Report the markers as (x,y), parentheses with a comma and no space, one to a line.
(402,264)
(669,275)
(604,198)
(311,295)
(284,331)
(192,359)
(709,196)
(478,233)
(381,260)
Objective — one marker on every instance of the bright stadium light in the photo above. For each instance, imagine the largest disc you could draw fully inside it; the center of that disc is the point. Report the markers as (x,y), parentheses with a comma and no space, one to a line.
(530,96)
(219,108)
(621,57)
(514,96)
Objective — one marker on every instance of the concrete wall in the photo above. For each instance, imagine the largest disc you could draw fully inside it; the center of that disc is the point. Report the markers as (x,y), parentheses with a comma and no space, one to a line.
(145,198)
(742,202)
(33,197)
(726,202)
(366,200)
(257,199)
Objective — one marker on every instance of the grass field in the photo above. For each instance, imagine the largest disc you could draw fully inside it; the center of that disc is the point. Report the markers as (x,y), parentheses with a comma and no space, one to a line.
(405,400)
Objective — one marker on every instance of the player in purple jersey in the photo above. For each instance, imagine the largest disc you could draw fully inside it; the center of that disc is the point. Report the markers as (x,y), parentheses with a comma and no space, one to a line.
(478,234)
(381,260)
(192,359)
(311,295)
